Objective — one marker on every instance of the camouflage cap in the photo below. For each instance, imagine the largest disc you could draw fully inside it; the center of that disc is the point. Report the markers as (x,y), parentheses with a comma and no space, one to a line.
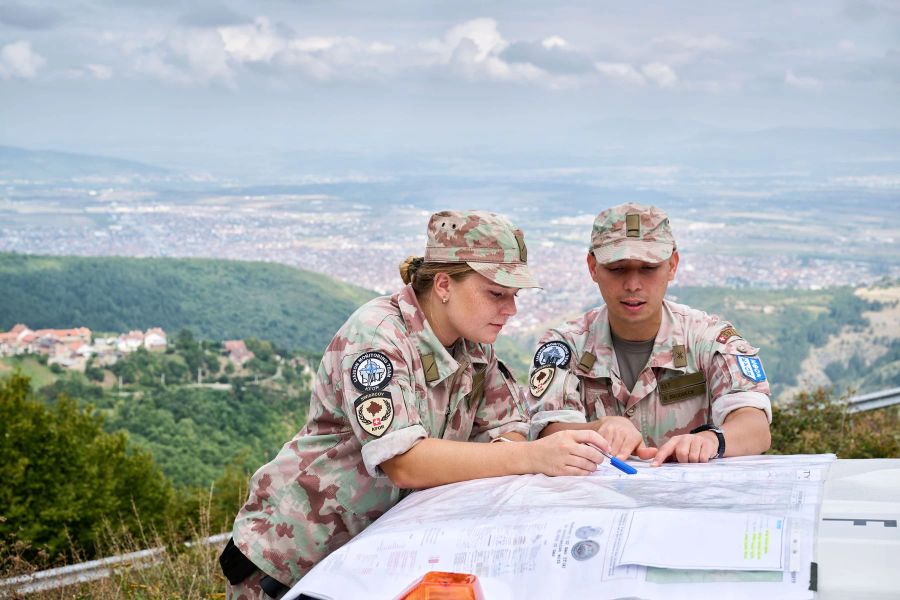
(632,231)
(485,241)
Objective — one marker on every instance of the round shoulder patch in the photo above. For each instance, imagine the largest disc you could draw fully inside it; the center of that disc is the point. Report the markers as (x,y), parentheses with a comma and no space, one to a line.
(553,353)
(540,379)
(371,372)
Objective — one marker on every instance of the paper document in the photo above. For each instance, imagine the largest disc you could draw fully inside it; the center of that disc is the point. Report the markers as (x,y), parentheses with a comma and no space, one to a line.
(719,540)
(741,529)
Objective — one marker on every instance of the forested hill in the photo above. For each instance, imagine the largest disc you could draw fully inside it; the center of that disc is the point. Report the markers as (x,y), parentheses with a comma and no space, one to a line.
(216,299)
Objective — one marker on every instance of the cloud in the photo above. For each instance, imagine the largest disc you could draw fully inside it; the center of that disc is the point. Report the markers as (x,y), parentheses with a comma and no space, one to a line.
(477,51)
(331,58)
(203,56)
(656,73)
(867,10)
(28,17)
(620,71)
(99,71)
(19,60)
(693,42)
(553,55)
(155,66)
(211,16)
(90,71)
(660,74)
(554,41)
(253,42)
(801,82)
(188,56)
(481,36)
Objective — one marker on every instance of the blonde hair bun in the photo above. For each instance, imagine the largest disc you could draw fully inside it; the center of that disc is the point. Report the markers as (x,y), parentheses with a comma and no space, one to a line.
(409,267)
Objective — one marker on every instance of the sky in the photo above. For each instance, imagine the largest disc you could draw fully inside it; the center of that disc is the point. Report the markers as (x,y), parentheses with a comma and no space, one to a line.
(201,82)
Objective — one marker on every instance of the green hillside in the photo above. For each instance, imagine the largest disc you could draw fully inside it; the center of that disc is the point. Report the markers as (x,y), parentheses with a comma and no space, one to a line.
(193,430)
(216,299)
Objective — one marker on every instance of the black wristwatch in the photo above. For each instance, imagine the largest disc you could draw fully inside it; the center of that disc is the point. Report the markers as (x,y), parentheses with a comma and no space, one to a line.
(719,434)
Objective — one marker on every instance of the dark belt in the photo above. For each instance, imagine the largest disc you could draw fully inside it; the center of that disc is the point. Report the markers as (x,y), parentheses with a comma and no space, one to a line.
(238,567)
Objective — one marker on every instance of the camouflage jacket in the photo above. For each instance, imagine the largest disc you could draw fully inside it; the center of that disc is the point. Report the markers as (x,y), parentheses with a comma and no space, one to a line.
(384,384)
(700,370)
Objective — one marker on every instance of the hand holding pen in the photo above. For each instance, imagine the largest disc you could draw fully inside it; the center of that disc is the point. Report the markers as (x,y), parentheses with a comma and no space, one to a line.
(619,464)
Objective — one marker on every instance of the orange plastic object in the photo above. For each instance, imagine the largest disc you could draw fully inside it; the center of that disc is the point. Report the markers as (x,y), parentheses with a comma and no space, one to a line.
(438,585)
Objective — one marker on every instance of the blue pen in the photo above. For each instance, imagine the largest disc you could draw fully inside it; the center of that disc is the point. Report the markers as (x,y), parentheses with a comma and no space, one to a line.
(620,465)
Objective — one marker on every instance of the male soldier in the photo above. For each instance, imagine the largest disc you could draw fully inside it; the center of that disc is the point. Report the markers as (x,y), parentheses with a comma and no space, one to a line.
(656,379)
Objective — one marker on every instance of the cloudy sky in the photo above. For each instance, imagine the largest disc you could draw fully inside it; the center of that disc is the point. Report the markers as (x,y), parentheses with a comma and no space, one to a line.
(166,81)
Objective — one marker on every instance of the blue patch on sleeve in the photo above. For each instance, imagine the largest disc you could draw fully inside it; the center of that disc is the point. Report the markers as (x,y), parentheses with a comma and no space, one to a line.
(751,368)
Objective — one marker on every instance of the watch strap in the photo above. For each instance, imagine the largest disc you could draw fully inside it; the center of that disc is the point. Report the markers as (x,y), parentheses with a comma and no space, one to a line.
(719,434)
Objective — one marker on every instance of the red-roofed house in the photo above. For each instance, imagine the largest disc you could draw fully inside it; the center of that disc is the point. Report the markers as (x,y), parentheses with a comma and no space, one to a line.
(155,340)
(131,341)
(237,352)
(14,341)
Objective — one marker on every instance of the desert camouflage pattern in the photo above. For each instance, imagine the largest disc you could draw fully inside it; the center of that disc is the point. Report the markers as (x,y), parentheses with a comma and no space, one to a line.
(485,241)
(578,394)
(647,236)
(326,486)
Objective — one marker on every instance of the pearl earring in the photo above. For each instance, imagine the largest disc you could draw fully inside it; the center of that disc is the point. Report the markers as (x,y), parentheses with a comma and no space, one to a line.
(445,300)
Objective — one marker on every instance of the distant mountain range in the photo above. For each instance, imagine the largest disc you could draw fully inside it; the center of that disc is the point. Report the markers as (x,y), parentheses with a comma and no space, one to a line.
(216,299)
(43,165)
(619,151)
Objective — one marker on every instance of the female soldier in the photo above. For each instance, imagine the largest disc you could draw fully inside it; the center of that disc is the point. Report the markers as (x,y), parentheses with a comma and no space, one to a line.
(404,389)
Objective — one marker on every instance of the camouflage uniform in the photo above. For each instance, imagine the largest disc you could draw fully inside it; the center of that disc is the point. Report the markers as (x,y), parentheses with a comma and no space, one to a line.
(700,368)
(585,390)
(385,383)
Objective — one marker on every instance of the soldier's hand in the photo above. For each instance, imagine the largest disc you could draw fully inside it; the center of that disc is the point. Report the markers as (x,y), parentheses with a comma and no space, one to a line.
(570,452)
(624,438)
(687,448)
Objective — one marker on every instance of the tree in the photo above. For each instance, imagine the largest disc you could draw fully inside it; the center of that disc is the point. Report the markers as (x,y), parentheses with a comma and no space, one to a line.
(64,477)
(816,423)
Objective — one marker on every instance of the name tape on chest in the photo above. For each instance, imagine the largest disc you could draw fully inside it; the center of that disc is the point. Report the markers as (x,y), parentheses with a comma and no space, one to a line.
(683,387)
(553,353)
(751,368)
(540,379)
(374,412)
(371,372)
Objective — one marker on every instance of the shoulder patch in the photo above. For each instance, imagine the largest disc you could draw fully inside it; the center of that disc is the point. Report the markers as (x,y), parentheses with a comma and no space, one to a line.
(540,379)
(556,353)
(371,372)
(726,334)
(375,412)
(751,368)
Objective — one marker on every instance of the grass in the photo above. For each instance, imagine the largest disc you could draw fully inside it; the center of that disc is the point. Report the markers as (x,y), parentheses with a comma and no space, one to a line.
(40,375)
(190,571)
